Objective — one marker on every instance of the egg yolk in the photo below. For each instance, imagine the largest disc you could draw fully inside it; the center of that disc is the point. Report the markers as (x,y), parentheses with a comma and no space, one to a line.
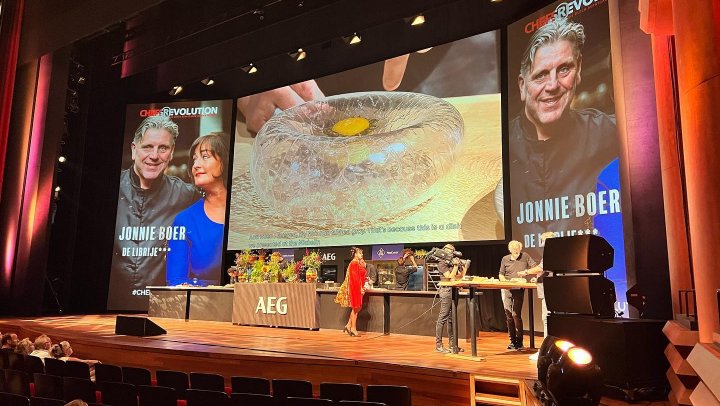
(351,126)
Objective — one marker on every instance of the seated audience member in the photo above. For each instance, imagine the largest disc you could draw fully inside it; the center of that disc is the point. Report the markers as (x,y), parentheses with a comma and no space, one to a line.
(64,351)
(43,344)
(25,347)
(9,341)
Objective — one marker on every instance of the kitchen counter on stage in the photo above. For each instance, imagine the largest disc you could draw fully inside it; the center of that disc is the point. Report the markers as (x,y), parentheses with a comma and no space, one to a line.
(384,311)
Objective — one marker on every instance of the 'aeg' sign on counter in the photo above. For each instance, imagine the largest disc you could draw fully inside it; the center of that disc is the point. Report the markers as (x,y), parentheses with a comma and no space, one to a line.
(276,304)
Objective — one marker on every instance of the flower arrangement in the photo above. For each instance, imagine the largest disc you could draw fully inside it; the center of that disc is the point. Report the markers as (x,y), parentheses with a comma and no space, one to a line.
(311,261)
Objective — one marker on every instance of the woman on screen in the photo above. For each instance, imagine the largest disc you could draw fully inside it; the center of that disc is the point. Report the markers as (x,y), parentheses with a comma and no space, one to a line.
(195,248)
(352,290)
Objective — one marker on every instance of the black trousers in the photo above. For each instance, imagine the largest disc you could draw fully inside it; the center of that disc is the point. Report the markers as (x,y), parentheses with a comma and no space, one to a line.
(445,294)
(513,303)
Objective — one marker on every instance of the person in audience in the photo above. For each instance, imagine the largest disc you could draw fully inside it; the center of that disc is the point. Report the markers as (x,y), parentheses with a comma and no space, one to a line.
(9,341)
(43,344)
(511,267)
(197,258)
(450,270)
(64,351)
(403,270)
(25,347)
(77,402)
(352,290)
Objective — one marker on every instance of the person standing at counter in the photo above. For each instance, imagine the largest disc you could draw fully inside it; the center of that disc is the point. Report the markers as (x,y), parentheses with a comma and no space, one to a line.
(450,270)
(352,290)
(404,270)
(512,266)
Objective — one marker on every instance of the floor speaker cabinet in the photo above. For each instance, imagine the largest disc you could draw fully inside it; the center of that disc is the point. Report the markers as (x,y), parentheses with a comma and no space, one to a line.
(137,326)
(578,253)
(630,352)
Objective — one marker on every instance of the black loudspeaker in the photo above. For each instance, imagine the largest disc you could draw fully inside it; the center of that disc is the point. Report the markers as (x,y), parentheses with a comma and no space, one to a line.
(630,352)
(637,299)
(580,294)
(137,326)
(578,253)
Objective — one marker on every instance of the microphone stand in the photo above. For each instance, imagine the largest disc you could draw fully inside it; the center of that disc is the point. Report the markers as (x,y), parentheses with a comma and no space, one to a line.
(54,293)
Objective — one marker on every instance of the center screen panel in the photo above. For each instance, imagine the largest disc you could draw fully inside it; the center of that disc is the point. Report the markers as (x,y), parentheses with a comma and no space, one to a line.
(406,150)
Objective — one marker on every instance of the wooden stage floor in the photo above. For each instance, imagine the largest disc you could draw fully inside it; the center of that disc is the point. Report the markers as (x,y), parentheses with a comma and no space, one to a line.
(318,356)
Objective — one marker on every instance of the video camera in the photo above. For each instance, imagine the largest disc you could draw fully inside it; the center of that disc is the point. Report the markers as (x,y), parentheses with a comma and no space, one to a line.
(440,255)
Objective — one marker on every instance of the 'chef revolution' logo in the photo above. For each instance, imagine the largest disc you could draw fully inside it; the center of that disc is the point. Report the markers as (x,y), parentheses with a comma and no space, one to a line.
(181,112)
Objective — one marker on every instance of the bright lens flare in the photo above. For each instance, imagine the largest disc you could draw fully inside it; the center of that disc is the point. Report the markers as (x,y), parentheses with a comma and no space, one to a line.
(564,345)
(579,356)
(351,126)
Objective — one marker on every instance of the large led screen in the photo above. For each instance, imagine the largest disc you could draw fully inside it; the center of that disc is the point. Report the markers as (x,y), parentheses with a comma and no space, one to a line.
(563,141)
(406,150)
(172,196)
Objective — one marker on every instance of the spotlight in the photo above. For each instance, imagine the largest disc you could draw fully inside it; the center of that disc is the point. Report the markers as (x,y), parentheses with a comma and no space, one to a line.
(575,379)
(495,1)
(81,80)
(250,69)
(422,51)
(550,351)
(57,188)
(417,20)
(62,159)
(298,55)
(353,39)
(207,82)
(176,90)
(259,13)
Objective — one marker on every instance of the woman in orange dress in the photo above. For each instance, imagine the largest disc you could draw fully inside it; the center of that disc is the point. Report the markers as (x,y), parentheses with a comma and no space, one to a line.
(352,290)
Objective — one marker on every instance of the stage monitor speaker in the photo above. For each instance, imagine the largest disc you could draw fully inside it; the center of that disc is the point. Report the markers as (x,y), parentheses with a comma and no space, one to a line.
(137,326)
(578,253)
(580,294)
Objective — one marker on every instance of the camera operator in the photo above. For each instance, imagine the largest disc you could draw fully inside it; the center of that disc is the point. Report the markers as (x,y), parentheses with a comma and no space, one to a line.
(451,268)
(403,270)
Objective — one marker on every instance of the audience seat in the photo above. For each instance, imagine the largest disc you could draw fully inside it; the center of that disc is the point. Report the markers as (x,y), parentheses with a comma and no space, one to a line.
(156,396)
(37,401)
(251,399)
(16,361)
(16,382)
(107,373)
(205,381)
(359,403)
(341,391)
(136,376)
(199,397)
(11,399)
(246,384)
(389,394)
(118,394)
(292,401)
(76,388)
(77,369)
(173,379)
(34,365)
(48,386)
(285,388)
(55,367)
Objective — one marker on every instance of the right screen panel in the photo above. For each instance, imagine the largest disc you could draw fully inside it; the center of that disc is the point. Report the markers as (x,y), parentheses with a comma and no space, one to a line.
(563,142)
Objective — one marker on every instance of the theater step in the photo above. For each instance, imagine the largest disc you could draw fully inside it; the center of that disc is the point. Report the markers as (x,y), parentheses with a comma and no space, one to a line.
(493,390)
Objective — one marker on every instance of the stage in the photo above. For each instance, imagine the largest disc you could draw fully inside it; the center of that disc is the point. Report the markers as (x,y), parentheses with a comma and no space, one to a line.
(317,356)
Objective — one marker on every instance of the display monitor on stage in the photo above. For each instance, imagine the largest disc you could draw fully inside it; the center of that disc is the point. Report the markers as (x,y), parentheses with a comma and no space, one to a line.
(405,150)
(171,203)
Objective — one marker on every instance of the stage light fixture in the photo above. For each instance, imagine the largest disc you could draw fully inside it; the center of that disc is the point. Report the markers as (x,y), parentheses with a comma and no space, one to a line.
(417,20)
(57,188)
(207,82)
(575,379)
(422,51)
(81,80)
(298,55)
(550,351)
(250,69)
(352,39)
(176,90)
(62,159)
(259,13)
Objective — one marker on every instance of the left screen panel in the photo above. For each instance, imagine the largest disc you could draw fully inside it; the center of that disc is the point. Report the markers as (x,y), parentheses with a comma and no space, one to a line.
(169,224)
